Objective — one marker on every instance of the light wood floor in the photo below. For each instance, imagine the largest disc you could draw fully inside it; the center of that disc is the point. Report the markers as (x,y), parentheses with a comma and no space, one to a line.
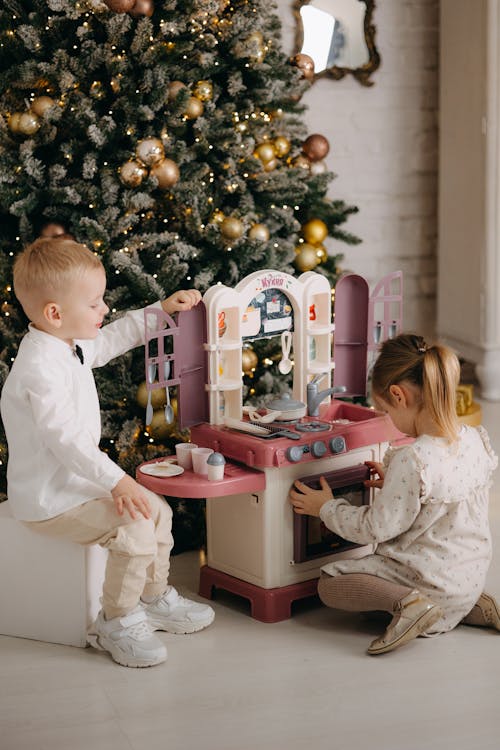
(244,685)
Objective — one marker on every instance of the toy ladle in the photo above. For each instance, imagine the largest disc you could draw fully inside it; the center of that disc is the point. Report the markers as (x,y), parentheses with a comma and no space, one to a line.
(285,364)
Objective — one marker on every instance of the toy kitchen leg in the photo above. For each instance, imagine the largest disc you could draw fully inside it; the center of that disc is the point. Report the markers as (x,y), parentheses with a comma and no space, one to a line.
(266,605)
(253,545)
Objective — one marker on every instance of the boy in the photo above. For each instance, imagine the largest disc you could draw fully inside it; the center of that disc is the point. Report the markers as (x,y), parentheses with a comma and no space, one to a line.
(59,482)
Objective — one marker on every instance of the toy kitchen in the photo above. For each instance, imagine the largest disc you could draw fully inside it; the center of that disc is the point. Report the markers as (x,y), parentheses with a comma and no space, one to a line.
(257,547)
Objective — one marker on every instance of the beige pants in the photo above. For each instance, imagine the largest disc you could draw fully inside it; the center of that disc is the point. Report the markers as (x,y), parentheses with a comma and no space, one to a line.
(138,551)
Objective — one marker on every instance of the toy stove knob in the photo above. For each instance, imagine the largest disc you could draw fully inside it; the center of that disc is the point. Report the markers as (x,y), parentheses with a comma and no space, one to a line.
(318,449)
(337,445)
(294,454)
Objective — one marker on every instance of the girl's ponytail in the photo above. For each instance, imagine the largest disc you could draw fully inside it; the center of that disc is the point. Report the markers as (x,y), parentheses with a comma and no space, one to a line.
(435,370)
(441,375)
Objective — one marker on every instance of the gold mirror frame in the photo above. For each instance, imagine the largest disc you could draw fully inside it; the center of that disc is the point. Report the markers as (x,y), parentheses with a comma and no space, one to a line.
(362,73)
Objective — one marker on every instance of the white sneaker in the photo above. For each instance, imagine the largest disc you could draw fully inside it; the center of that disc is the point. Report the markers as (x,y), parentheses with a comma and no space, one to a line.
(129,639)
(175,614)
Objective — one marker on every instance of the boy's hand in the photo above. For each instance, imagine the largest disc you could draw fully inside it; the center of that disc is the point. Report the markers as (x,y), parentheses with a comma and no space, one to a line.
(182,300)
(128,495)
(307,502)
(378,470)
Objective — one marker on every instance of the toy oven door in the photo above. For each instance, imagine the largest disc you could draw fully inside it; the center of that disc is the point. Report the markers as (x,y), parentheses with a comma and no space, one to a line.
(311,538)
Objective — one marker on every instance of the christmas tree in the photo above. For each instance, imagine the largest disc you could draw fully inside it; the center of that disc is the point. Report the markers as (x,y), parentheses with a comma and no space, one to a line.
(169,137)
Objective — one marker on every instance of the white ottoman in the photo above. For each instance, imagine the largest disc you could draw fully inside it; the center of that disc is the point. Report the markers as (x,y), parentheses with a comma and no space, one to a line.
(49,588)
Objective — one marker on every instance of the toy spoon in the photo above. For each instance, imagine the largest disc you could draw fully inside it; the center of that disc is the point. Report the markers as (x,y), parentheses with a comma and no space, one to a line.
(149,406)
(169,412)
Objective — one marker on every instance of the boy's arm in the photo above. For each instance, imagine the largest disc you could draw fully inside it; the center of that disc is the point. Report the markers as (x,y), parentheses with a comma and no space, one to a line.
(128,332)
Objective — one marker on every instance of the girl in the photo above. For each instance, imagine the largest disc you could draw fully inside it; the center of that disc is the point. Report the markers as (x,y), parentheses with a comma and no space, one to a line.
(429,521)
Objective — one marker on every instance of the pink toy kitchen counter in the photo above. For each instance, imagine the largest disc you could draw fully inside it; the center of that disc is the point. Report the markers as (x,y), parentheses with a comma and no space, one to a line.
(237,479)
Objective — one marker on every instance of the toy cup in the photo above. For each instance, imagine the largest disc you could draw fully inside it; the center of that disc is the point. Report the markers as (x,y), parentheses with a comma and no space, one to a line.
(184,452)
(200,456)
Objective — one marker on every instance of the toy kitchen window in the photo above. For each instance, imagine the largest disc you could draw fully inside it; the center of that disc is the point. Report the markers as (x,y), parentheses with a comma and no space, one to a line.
(311,538)
(270,313)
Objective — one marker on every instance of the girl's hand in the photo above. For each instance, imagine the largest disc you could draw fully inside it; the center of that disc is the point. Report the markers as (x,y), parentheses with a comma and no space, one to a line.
(128,495)
(378,470)
(307,502)
(181,300)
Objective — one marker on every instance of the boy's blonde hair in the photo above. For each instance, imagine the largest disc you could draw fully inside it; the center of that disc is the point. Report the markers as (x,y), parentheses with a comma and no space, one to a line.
(48,266)
(435,370)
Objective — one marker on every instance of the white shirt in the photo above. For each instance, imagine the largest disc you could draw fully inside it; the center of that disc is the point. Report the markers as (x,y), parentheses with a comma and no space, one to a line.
(50,410)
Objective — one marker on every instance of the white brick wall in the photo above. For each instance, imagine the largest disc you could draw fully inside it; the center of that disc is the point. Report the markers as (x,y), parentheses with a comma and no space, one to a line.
(384,149)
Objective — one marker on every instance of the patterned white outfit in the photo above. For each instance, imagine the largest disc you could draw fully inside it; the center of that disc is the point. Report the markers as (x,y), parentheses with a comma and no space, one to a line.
(429,522)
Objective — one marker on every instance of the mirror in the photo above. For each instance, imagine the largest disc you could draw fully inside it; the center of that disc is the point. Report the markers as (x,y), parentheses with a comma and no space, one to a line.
(339,37)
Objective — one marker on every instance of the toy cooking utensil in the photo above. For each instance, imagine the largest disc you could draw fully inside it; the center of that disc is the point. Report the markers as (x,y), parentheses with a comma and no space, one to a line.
(263,432)
(288,408)
(255,416)
(149,406)
(285,364)
(169,412)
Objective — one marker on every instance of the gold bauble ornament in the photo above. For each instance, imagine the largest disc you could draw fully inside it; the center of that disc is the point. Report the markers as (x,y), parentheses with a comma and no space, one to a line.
(142,8)
(321,253)
(281,145)
(306,258)
(265,152)
(203,91)
(231,228)
(120,6)
(270,165)
(302,162)
(173,89)
(249,360)
(318,167)
(255,46)
(150,151)
(158,396)
(159,429)
(41,104)
(259,232)
(316,147)
(173,404)
(28,123)
(132,173)
(166,172)
(305,64)
(14,121)
(194,108)
(252,47)
(314,231)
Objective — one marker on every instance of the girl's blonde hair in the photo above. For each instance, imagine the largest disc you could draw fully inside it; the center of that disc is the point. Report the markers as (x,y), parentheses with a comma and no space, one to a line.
(434,370)
(47,266)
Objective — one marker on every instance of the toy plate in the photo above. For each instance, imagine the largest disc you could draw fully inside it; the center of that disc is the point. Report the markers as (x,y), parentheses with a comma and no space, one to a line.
(162,469)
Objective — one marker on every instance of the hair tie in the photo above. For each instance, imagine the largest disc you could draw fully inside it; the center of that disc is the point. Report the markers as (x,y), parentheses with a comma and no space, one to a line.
(422,349)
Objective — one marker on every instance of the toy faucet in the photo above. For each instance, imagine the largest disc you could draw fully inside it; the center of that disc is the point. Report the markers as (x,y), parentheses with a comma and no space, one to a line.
(314,398)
